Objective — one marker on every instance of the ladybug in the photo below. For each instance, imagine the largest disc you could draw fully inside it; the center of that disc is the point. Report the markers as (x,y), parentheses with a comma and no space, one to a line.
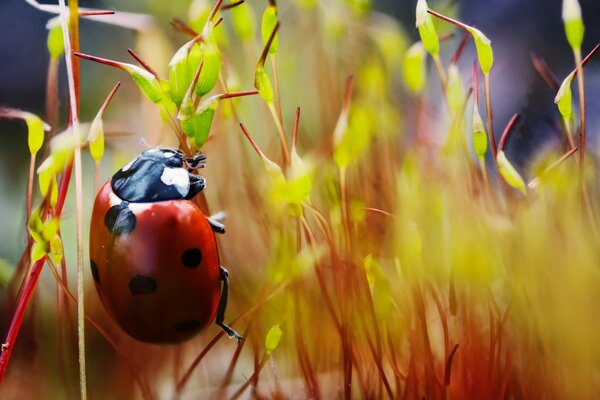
(153,253)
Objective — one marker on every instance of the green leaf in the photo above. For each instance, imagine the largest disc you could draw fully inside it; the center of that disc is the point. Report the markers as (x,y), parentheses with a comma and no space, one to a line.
(35,132)
(574,28)
(480,141)
(50,229)
(262,83)
(426,28)
(483,45)
(414,70)
(269,20)
(273,338)
(243,21)
(509,173)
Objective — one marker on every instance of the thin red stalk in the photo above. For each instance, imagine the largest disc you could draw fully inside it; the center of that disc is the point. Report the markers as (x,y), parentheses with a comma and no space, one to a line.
(379,211)
(231,5)
(448,366)
(460,48)
(296,125)
(475,85)
(183,27)
(232,364)
(52,93)
(252,142)
(230,95)
(143,63)
(265,51)
(509,127)
(89,13)
(252,378)
(545,72)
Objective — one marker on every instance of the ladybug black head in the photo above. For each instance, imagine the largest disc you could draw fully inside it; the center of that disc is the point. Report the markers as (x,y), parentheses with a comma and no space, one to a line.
(159,174)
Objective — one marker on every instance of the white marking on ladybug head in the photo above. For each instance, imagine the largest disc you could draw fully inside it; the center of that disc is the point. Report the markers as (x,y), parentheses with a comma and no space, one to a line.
(177,177)
(168,154)
(113,199)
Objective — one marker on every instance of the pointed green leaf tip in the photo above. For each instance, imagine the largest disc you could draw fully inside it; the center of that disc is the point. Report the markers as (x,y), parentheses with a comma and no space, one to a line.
(413,68)
(480,142)
(273,338)
(564,97)
(483,45)
(427,31)
(35,132)
(56,46)
(574,28)
(269,20)
(509,173)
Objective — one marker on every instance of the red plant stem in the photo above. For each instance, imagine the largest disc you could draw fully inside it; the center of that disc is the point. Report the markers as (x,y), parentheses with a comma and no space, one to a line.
(460,49)
(490,114)
(296,125)
(230,95)
(545,72)
(143,63)
(90,13)
(509,127)
(448,367)
(252,378)
(183,27)
(8,344)
(475,85)
(229,6)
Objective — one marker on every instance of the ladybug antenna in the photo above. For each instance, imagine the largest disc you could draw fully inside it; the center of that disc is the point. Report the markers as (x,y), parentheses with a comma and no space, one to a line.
(198,161)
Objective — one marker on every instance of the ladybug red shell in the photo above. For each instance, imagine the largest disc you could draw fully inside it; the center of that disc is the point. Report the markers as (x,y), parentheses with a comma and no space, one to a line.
(153,253)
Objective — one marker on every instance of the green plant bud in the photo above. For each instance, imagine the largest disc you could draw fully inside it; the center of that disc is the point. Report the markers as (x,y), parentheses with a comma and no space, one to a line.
(360,7)
(483,45)
(56,251)
(269,20)
(36,226)
(96,138)
(356,138)
(564,97)
(179,76)
(300,179)
(509,173)
(273,338)
(426,28)
(262,83)
(50,229)
(56,46)
(198,127)
(574,28)
(210,69)
(243,21)
(414,70)
(147,82)
(480,141)
(35,132)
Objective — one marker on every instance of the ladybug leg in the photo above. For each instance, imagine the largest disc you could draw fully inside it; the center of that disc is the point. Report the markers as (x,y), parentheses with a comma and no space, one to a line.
(197,184)
(223,305)
(215,222)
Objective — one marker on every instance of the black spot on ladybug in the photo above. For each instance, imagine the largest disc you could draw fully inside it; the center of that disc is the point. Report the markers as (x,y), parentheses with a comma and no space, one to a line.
(191,258)
(189,325)
(119,219)
(140,284)
(95,273)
